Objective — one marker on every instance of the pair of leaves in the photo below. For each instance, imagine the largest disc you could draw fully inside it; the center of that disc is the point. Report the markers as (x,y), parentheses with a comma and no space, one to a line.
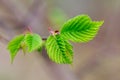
(78,29)
(28,42)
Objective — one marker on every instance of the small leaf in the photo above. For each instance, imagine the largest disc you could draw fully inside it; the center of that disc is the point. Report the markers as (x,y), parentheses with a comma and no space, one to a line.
(41,47)
(14,46)
(59,50)
(24,47)
(80,29)
(33,41)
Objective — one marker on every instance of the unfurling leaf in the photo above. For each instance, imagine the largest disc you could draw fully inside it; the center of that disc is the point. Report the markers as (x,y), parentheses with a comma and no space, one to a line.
(24,47)
(80,29)
(14,46)
(33,41)
(41,47)
(59,50)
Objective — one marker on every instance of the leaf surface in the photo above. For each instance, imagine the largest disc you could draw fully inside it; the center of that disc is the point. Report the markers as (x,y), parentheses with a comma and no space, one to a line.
(59,50)
(14,46)
(33,41)
(80,29)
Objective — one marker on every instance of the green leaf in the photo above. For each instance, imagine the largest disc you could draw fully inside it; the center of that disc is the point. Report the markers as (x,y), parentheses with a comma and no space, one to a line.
(59,50)
(33,41)
(14,46)
(80,29)
(24,47)
(41,47)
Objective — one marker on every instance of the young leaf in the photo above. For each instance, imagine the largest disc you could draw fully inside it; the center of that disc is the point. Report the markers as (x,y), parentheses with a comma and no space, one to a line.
(14,46)
(80,29)
(41,47)
(24,47)
(59,50)
(33,41)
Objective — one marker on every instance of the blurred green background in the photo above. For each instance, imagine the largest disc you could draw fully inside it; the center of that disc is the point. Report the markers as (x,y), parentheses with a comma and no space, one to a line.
(96,60)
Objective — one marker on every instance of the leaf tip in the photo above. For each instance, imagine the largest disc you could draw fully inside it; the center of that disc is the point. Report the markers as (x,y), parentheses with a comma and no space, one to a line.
(101,22)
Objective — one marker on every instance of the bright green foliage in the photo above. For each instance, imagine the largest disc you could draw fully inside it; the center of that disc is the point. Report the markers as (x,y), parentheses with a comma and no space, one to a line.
(33,41)
(41,47)
(59,50)
(28,41)
(80,29)
(24,47)
(14,46)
